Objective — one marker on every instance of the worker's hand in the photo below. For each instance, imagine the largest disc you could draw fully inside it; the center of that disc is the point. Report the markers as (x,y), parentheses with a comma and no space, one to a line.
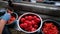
(6,16)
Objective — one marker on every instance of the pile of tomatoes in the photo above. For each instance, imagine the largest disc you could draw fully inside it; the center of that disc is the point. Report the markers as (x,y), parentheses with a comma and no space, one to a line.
(29,23)
(49,28)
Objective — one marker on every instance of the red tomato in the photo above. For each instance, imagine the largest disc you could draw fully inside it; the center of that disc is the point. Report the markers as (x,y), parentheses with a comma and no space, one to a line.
(22,26)
(26,21)
(26,29)
(30,17)
(33,22)
(26,17)
(37,20)
(34,17)
(29,23)
(11,20)
(22,19)
(25,25)
(33,29)
(30,27)
(36,26)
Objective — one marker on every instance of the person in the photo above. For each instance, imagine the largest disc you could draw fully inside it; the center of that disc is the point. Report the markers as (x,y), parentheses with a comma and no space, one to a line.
(3,21)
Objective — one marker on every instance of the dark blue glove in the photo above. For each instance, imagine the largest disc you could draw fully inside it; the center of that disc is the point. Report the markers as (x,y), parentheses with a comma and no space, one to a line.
(6,16)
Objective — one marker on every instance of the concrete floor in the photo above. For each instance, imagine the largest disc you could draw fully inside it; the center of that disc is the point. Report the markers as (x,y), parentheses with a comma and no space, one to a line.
(16,32)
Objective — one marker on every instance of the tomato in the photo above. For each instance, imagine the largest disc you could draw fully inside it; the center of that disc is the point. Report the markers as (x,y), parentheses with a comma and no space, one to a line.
(22,25)
(22,19)
(36,26)
(34,17)
(29,23)
(25,25)
(33,29)
(26,21)
(37,20)
(33,22)
(26,17)
(11,20)
(30,17)
(29,28)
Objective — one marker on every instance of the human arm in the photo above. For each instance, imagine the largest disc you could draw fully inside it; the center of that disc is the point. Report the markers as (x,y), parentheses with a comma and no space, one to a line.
(3,21)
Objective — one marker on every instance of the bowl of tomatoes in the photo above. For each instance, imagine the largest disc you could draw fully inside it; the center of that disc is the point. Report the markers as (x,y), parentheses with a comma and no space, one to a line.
(29,22)
(50,27)
(13,18)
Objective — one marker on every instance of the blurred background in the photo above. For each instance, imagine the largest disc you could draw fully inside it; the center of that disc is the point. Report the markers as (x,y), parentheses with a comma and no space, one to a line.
(47,9)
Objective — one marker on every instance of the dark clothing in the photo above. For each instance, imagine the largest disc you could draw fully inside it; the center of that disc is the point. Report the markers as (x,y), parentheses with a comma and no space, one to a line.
(6,30)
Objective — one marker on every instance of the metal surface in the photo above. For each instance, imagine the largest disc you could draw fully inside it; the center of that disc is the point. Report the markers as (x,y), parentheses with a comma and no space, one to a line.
(39,8)
(46,9)
(3,4)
